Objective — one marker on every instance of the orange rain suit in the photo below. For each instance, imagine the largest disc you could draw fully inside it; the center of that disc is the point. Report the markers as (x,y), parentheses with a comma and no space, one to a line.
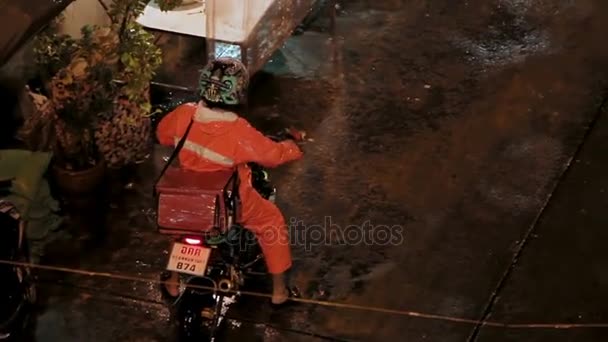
(220,140)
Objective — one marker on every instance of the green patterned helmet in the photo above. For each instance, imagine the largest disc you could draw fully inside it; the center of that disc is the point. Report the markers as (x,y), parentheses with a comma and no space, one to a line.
(224,81)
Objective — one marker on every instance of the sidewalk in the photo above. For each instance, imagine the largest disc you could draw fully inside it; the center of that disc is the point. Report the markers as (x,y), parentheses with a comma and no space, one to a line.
(562,274)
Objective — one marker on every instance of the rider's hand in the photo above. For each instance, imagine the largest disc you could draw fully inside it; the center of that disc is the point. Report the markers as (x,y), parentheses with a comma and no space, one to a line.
(297,135)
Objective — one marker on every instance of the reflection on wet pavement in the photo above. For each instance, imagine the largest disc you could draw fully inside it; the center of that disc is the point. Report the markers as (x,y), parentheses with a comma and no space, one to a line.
(443,125)
(512,35)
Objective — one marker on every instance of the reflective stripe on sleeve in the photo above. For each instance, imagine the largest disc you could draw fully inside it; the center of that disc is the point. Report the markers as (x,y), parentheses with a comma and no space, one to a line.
(206,153)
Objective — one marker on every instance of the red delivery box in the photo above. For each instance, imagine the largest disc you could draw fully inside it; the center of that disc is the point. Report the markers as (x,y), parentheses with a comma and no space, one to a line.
(192,202)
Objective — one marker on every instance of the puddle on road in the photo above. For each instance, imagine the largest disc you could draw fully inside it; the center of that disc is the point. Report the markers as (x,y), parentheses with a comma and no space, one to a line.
(511,36)
(498,52)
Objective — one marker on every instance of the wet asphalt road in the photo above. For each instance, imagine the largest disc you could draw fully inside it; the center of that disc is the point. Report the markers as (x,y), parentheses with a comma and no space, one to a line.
(443,125)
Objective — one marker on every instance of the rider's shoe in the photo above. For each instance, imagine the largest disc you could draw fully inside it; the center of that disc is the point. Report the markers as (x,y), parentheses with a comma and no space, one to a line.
(165,293)
(294,292)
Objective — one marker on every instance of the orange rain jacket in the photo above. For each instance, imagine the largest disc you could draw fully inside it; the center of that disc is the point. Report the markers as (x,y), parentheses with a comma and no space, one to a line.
(220,140)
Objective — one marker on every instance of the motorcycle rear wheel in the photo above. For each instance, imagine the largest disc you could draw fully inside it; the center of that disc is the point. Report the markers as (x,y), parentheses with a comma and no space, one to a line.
(31,294)
(22,329)
(197,313)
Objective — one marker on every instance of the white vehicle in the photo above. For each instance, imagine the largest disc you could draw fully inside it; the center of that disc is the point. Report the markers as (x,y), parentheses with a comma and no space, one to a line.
(251,30)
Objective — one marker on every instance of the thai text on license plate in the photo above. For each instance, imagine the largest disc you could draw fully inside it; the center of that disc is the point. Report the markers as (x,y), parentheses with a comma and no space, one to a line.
(188,259)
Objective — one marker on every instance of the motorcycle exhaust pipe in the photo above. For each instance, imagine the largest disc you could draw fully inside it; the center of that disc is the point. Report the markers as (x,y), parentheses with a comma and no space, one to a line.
(225,285)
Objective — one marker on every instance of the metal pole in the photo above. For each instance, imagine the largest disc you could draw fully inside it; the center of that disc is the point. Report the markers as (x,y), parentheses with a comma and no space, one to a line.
(164,85)
(210,28)
(173,86)
(245,27)
(332,14)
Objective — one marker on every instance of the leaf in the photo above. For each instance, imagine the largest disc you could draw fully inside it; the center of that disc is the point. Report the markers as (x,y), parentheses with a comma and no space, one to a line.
(79,67)
(125,58)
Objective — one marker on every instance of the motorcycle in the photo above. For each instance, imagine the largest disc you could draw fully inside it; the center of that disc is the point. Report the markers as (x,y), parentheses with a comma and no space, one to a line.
(216,262)
(23,195)
(231,257)
(19,290)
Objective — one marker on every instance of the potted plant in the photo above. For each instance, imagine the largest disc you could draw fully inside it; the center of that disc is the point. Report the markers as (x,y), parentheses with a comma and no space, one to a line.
(94,94)
(69,105)
(92,97)
(124,136)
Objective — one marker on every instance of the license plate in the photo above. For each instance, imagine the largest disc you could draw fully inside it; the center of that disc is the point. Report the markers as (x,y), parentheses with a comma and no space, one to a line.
(188,259)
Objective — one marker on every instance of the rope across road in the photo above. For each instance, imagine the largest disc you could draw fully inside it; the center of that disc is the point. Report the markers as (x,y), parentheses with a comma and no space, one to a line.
(400,312)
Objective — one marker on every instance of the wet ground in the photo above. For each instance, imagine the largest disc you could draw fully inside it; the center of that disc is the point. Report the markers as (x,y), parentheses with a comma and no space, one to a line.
(441,129)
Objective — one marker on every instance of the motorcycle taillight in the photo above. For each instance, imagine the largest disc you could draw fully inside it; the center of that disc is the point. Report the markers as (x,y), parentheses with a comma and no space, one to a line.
(194,241)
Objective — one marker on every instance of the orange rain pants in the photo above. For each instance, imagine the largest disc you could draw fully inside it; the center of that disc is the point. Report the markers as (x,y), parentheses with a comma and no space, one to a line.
(220,140)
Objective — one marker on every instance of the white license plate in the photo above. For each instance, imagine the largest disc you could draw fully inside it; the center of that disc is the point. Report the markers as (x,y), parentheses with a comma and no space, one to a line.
(188,259)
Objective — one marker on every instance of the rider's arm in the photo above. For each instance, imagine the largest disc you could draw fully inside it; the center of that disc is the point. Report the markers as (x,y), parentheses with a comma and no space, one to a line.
(174,124)
(257,148)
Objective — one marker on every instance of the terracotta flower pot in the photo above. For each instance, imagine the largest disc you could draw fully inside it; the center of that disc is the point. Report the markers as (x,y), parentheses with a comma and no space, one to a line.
(79,182)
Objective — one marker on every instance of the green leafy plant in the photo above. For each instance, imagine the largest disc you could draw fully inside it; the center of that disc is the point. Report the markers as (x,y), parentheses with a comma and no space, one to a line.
(73,101)
(87,86)
(139,63)
(124,137)
(168,5)
(139,57)
(53,53)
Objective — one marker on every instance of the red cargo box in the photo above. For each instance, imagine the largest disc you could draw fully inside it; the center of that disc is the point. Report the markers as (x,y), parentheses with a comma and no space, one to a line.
(191,202)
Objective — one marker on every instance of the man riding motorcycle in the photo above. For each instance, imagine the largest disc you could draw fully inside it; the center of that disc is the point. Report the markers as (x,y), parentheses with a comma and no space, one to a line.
(218,140)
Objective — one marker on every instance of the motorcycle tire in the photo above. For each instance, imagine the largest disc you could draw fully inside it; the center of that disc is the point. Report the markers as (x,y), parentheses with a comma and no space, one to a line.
(21,327)
(31,294)
(197,313)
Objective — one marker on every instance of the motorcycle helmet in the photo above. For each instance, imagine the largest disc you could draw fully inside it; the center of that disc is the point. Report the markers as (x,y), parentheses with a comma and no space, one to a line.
(224,81)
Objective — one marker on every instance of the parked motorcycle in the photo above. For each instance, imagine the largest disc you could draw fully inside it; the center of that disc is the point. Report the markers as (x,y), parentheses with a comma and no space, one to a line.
(19,290)
(26,209)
